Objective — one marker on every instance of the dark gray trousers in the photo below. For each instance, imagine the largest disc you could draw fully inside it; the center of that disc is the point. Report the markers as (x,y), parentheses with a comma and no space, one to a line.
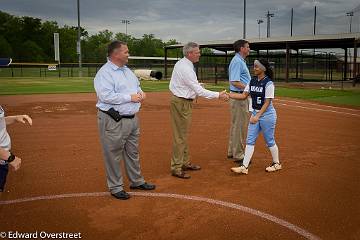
(120,140)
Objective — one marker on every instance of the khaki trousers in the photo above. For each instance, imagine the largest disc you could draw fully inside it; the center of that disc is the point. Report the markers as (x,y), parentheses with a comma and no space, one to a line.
(239,122)
(180,114)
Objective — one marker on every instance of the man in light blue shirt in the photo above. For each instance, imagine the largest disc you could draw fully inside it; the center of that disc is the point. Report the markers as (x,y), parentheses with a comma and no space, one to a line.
(119,98)
(239,77)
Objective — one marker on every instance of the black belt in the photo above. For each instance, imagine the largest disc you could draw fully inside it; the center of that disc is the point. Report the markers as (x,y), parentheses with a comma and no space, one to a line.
(116,115)
(236,91)
(128,116)
(187,99)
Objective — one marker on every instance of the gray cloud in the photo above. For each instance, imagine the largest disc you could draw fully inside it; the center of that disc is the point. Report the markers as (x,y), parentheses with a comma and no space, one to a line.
(187,20)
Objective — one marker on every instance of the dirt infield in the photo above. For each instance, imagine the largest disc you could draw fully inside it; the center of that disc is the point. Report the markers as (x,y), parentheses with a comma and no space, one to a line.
(317,191)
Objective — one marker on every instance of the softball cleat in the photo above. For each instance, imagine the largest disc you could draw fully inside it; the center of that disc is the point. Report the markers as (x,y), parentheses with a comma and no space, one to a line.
(242,169)
(273,167)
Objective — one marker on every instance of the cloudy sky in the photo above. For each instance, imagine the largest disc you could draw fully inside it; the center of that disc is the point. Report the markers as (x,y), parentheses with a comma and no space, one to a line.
(193,20)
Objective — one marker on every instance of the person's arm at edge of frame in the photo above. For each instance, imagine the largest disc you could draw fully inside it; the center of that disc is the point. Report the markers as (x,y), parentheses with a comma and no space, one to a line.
(18,118)
(4,155)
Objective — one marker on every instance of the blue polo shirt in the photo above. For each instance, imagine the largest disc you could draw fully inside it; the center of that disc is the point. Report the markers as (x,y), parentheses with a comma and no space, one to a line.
(238,72)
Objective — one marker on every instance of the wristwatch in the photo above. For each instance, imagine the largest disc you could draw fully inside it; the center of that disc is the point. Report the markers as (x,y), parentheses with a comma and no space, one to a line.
(9,160)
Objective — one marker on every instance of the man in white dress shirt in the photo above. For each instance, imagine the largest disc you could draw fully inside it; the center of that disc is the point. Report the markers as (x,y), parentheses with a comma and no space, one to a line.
(185,88)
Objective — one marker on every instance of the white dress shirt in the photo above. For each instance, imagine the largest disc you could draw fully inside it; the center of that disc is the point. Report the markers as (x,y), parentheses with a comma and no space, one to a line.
(184,82)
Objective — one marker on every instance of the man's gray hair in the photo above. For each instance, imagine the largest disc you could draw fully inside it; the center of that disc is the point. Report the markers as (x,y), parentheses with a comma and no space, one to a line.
(190,46)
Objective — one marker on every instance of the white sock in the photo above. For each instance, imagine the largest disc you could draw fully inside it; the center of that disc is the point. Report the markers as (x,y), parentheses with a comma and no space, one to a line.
(249,151)
(275,153)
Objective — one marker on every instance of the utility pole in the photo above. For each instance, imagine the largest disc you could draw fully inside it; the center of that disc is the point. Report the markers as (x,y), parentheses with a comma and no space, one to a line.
(79,40)
(259,21)
(126,22)
(315,20)
(291,21)
(244,29)
(268,16)
(350,14)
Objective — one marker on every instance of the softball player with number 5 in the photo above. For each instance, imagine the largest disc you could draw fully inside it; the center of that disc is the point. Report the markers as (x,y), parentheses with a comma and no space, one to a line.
(263,118)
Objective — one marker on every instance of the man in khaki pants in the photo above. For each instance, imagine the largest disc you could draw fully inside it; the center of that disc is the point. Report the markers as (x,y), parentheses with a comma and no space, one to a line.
(185,88)
(239,77)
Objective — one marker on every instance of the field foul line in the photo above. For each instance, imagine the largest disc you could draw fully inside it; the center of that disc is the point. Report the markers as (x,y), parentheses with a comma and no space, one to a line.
(251,211)
(319,105)
(320,109)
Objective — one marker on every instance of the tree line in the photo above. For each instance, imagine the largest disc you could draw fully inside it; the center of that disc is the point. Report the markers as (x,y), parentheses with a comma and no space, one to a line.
(28,39)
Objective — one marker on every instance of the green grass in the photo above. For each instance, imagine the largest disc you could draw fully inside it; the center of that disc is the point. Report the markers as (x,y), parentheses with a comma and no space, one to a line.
(155,86)
(334,96)
(20,86)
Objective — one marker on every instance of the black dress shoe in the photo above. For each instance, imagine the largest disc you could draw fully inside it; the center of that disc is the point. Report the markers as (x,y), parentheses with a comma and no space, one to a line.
(122,195)
(145,186)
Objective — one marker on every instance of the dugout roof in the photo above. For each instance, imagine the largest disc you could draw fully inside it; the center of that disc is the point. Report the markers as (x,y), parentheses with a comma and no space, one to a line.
(343,40)
(325,41)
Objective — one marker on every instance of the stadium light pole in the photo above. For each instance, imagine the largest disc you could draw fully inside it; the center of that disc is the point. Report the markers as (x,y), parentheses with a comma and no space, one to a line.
(79,40)
(244,30)
(350,14)
(268,16)
(291,21)
(315,20)
(259,21)
(126,22)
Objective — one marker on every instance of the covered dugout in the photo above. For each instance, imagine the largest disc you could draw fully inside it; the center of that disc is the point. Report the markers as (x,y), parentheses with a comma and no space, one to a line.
(342,41)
